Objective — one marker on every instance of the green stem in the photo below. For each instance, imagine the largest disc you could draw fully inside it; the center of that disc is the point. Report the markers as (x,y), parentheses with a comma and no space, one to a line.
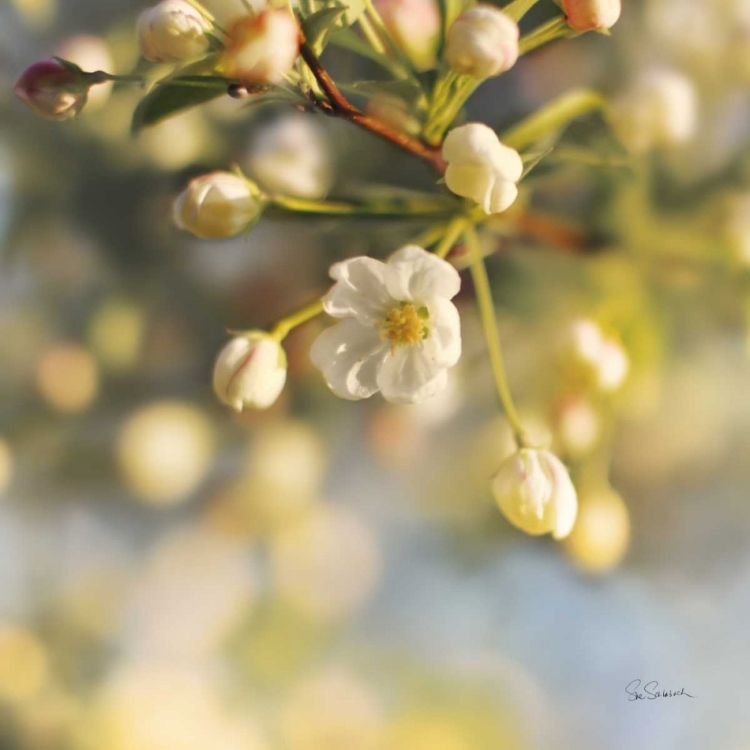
(518,8)
(285,325)
(491,333)
(371,35)
(452,233)
(553,116)
(442,118)
(395,207)
(548,32)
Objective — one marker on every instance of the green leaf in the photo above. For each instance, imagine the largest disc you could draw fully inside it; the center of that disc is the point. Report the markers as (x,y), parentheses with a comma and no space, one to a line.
(319,26)
(347,39)
(174,95)
(406,90)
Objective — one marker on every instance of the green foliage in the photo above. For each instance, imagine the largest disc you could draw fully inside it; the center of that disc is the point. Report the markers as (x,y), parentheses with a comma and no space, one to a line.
(173,95)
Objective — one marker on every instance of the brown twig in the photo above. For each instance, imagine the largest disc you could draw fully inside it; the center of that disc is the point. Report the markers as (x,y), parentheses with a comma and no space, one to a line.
(337,105)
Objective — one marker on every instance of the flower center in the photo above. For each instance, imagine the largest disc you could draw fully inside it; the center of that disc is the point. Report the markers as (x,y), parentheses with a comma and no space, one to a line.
(404,325)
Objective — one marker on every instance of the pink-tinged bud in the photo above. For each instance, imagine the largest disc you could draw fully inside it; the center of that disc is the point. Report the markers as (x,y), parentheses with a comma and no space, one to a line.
(263,48)
(250,371)
(52,90)
(591,15)
(415,27)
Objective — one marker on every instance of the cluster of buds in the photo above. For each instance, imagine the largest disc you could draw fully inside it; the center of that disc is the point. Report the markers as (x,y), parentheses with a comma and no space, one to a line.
(397,331)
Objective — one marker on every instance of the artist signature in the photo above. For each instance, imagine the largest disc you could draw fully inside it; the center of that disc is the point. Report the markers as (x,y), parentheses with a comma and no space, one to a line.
(651,691)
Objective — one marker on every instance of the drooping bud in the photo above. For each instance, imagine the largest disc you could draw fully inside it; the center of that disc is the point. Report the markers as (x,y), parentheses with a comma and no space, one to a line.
(482,42)
(415,27)
(172,31)
(250,371)
(52,90)
(534,491)
(660,110)
(215,205)
(481,168)
(591,15)
(263,48)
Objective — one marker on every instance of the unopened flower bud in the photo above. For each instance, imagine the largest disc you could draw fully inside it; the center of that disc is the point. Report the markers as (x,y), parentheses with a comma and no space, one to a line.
(591,15)
(250,371)
(290,157)
(92,54)
(482,42)
(659,111)
(219,204)
(415,26)
(172,31)
(481,168)
(263,48)
(52,90)
(534,491)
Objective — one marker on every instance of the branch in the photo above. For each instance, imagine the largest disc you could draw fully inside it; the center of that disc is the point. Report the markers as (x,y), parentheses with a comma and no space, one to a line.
(337,105)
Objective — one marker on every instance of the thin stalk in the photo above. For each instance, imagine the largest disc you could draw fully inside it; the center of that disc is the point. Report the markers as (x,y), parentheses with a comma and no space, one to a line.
(553,116)
(491,333)
(518,8)
(395,207)
(452,232)
(371,35)
(285,325)
(548,32)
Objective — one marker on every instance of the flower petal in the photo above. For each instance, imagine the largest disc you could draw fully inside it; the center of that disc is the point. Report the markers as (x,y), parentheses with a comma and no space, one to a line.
(443,344)
(500,197)
(350,356)
(409,376)
(414,274)
(469,180)
(360,290)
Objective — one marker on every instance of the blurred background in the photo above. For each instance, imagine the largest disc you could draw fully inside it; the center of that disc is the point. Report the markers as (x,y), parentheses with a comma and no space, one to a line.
(335,576)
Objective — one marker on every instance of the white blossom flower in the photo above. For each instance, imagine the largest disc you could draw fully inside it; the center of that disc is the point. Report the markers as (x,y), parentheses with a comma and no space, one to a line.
(482,42)
(250,371)
(292,158)
(263,48)
(399,331)
(660,110)
(172,31)
(480,167)
(218,204)
(534,491)
(591,15)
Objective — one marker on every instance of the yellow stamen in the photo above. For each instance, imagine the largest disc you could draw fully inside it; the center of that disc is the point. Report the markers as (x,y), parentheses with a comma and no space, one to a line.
(404,325)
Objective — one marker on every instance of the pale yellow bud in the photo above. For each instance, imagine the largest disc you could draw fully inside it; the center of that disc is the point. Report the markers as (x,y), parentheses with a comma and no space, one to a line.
(172,31)
(216,205)
(482,42)
(250,371)
(534,491)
